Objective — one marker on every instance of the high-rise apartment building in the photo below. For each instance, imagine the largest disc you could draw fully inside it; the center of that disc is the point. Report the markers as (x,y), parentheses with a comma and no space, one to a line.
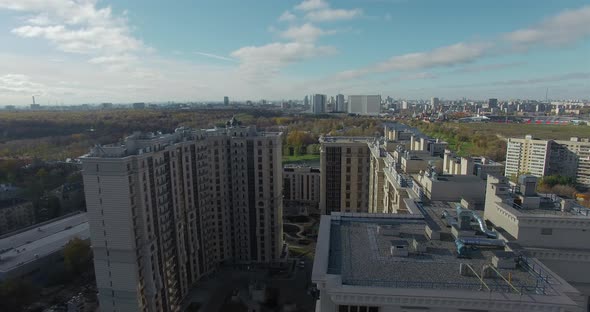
(166,209)
(492,103)
(340,105)
(547,157)
(344,174)
(318,103)
(434,102)
(364,104)
(225,100)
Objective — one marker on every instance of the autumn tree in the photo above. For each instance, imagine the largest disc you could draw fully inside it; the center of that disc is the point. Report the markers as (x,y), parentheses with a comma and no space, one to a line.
(77,256)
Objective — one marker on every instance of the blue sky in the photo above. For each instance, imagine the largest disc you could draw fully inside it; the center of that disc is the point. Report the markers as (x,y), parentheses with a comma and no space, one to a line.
(87,51)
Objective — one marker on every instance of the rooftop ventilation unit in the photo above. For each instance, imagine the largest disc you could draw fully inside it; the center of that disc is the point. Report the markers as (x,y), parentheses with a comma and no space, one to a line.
(504,260)
(419,247)
(399,248)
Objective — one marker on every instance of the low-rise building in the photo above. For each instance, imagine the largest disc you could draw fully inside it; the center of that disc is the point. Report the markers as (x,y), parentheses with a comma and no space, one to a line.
(479,166)
(554,230)
(301,186)
(451,187)
(409,262)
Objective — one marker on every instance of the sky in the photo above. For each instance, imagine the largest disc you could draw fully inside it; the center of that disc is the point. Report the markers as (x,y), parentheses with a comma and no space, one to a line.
(90,51)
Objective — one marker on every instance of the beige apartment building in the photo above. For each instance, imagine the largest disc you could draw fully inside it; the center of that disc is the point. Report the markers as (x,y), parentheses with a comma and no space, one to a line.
(479,166)
(546,157)
(344,168)
(167,209)
(301,185)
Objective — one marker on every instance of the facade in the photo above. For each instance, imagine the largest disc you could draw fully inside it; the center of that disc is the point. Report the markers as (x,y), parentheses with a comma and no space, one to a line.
(451,187)
(37,251)
(527,156)
(318,103)
(340,104)
(409,262)
(344,168)
(546,157)
(15,214)
(167,209)
(364,104)
(301,185)
(554,230)
(434,102)
(479,166)
(492,103)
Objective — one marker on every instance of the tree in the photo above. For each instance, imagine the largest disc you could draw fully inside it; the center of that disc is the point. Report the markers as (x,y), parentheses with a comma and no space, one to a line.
(77,255)
(16,294)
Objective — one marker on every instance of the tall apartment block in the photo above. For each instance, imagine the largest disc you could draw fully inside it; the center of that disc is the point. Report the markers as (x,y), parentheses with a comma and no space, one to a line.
(344,169)
(546,157)
(340,104)
(318,103)
(167,209)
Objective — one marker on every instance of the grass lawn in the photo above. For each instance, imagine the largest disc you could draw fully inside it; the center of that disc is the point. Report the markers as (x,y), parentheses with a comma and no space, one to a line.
(307,251)
(300,158)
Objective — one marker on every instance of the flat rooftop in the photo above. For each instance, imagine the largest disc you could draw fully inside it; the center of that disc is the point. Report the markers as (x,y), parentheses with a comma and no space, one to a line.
(343,139)
(457,178)
(360,252)
(546,208)
(41,241)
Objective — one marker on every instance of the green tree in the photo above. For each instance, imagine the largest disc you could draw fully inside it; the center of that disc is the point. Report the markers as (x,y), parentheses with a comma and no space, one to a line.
(77,256)
(16,294)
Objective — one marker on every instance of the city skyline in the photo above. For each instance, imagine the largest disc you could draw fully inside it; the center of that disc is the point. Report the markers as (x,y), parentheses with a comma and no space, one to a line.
(90,52)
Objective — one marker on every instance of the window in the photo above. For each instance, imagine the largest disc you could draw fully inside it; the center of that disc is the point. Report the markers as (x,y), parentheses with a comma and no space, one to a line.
(546,231)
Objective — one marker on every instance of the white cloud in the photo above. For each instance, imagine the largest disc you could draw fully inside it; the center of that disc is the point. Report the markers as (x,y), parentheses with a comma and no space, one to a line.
(40,20)
(328,15)
(578,76)
(287,17)
(21,84)
(304,33)
(486,67)
(309,5)
(258,63)
(415,76)
(566,27)
(215,56)
(444,56)
(77,27)
(546,79)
